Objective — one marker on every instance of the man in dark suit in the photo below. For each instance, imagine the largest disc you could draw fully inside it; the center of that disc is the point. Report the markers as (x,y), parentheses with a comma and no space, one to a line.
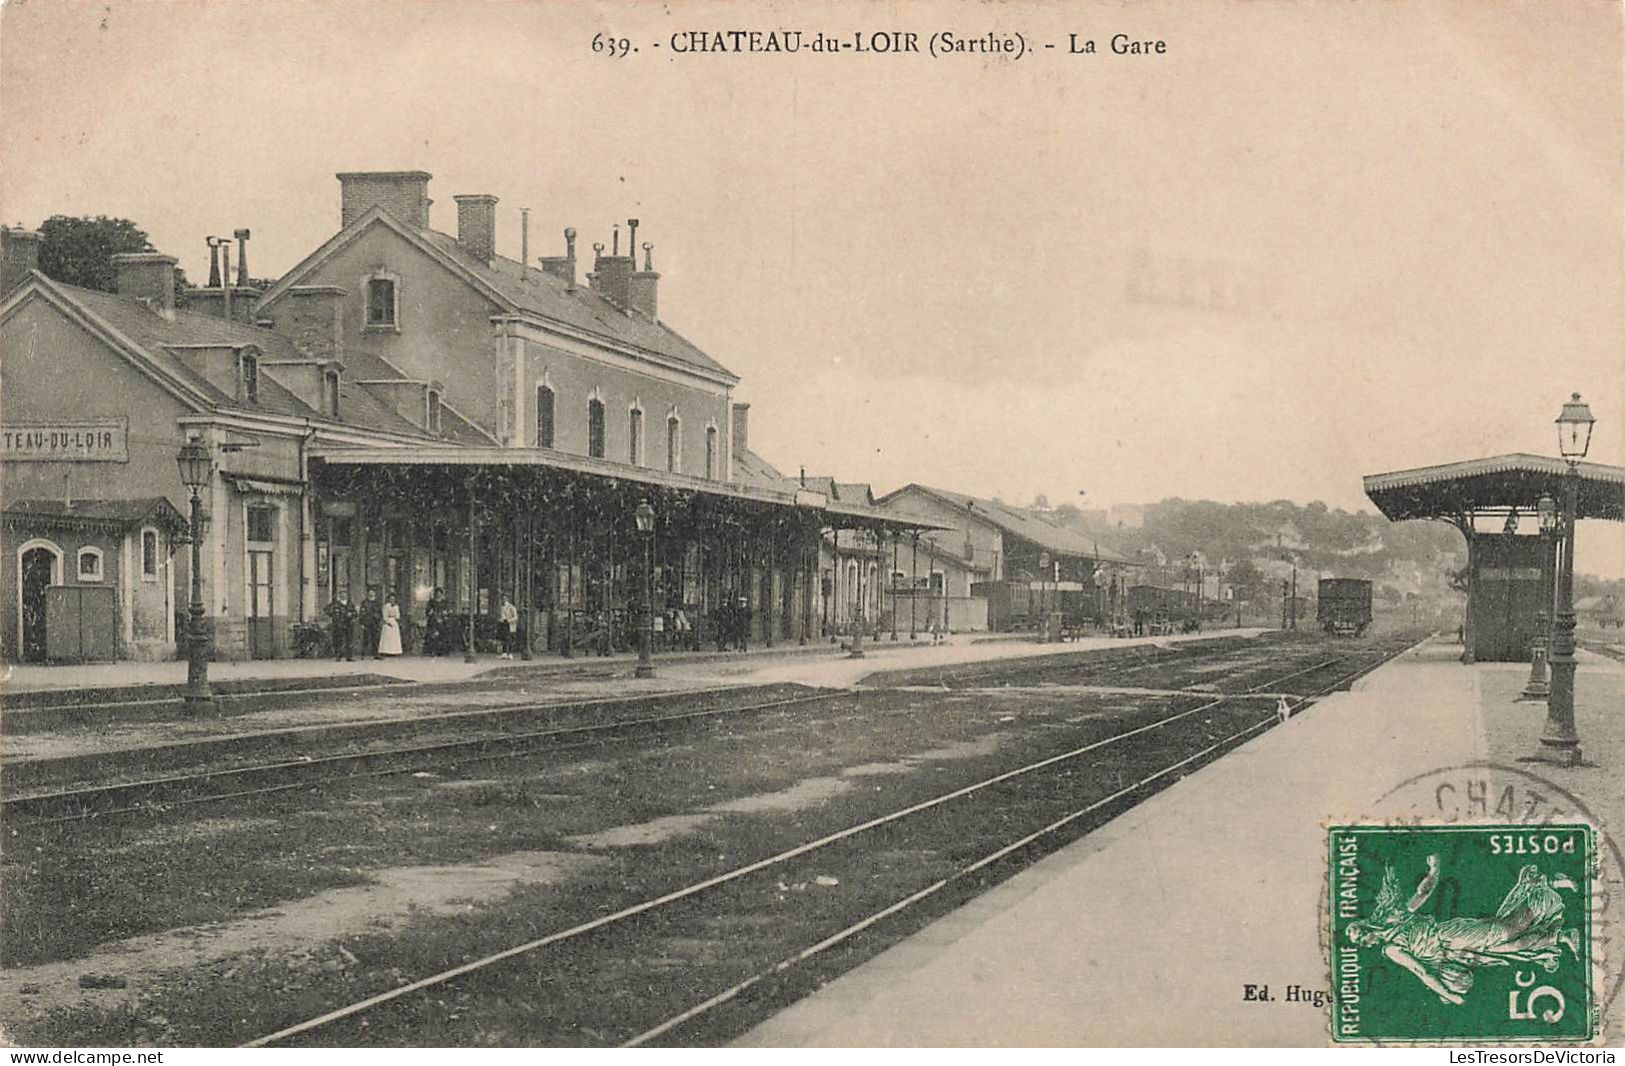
(342,613)
(372,620)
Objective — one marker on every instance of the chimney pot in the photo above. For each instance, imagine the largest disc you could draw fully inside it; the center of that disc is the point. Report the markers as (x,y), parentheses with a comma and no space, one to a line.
(149,277)
(564,266)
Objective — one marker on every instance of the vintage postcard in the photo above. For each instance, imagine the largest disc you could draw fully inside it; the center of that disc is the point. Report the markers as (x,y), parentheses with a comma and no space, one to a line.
(966,523)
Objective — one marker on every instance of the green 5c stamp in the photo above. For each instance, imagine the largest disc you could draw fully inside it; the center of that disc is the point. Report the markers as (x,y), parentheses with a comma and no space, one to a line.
(1451,934)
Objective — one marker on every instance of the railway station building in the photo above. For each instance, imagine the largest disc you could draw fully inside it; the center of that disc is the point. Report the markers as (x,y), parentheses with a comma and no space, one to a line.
(1511,563)
(405,412)
(998,564)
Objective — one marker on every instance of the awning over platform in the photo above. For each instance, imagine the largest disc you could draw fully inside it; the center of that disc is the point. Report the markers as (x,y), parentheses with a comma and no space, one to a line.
(1494,485)
(517,460)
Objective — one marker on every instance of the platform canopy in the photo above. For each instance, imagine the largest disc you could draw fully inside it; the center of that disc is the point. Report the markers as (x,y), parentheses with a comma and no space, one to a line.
(1495,485)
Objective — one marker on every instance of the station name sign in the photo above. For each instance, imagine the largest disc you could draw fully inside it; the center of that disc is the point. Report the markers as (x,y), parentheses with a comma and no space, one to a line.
(97,441)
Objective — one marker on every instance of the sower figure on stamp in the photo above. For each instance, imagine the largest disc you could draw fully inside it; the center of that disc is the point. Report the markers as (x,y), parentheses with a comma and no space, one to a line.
(1527,927)
(342,613)
(372,620)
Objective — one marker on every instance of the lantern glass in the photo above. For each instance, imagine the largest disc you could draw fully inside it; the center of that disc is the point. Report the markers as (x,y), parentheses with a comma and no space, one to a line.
(1574,429)
(195,464)
(645,517)
(1546,508)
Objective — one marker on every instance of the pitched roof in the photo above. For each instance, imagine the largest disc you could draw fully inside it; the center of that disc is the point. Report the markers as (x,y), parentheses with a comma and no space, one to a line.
(517,290)
(1015,521)
(753,469)
(122,513)
(1517,479)
(546,296)
(157,337)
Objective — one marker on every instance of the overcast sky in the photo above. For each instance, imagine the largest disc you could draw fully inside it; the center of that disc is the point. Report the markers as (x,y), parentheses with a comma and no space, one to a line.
(965,271)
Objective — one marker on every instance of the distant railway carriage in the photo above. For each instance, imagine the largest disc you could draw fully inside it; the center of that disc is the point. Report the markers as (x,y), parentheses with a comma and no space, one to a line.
(1345,605)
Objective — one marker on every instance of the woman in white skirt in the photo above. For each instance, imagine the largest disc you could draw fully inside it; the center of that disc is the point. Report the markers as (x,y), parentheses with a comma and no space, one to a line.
(389,637)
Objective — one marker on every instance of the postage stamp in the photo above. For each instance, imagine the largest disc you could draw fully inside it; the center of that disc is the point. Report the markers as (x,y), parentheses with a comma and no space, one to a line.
(1461,933)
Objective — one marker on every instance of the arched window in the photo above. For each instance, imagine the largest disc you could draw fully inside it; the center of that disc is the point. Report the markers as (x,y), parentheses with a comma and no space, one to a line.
(544,417)
(595,428)
(674,444)
(149,554)
(90,564)
(711,452)
(250,365)
(634,437)
(434,412)
(331,381)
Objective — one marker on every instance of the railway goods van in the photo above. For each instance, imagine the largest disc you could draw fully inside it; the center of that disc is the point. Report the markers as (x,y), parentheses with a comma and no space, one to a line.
(1345,605)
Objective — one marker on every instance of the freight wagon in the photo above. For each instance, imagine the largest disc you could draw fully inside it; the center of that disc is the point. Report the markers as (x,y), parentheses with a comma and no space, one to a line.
(1345,605)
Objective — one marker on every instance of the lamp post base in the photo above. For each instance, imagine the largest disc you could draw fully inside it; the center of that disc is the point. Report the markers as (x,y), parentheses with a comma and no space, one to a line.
(1534,692)
(643,671)
(1564,755)
(198,703)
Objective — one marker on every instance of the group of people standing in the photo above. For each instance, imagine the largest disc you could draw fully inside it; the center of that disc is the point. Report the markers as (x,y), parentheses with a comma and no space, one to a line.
(380,625)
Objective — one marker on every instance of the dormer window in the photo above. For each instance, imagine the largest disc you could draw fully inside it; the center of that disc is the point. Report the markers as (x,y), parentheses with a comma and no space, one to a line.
(434,412)
(330,393)
(382,304)
(249,366)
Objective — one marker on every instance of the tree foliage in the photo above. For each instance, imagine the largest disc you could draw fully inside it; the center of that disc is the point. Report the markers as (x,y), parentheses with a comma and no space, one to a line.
(80,251)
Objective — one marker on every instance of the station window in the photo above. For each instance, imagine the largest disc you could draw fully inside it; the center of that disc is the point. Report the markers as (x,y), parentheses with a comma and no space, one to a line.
(149,554)
(634,437)
(250,365)
(261,523)
(381,303)
(330,381)
(544,417)
(595,429)
(674,444)
(434,411)
(711,452)
(90,564)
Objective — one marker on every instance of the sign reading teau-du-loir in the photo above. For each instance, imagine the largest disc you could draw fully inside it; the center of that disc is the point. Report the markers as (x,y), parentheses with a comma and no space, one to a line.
(90,441)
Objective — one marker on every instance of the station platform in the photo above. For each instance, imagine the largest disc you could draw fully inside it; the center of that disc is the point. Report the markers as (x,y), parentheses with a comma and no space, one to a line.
(19,678)
(1147,931)
(430,687)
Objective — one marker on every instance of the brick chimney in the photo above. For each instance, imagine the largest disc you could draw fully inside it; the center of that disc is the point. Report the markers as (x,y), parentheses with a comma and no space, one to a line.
(741,429)
(19,253)
(643,287)
(403,193)
(312,316)
(611,276)
(149,277)
(563,266)
(477,225)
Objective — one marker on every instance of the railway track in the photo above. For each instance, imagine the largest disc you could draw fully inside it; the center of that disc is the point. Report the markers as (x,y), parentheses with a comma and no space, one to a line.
(1337,666)
(266,779)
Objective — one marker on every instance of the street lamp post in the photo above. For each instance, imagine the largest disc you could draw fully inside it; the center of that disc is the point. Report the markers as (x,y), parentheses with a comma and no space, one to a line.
(1537,688)
(1559,741)
(196,465)
(1043,596)
(644,515)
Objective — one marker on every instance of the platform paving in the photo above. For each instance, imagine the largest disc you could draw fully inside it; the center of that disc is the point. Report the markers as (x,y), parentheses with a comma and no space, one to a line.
(1146,931)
